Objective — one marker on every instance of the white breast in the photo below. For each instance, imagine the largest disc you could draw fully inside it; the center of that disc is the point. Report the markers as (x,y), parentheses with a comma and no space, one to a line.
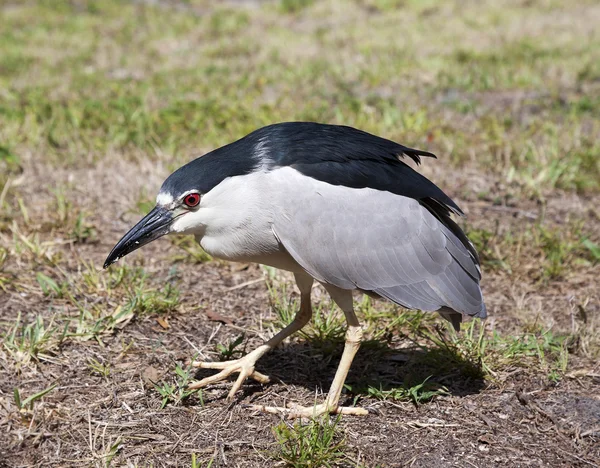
(234,222)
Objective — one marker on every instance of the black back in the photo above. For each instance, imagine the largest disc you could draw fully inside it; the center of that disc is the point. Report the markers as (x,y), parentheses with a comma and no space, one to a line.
(335,154)
(208,171)
(346,156)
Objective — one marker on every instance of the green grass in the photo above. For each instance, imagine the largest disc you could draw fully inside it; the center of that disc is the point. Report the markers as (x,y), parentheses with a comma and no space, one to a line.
(37,340)
(327,327)
(175,390)
(477,353)
(28,403)
(317,443)
(99,368)
(197,464)
(231,350)
(417,394)
(556,252)
(124,102)
(127,287)
(438,357)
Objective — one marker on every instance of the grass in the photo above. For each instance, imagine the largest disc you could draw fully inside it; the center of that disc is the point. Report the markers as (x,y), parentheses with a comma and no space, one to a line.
(39,339)
(177,391)
(316,443)
(475,355)
(98,368)
(191,252)
(198,464)
(133,106)
(33,341)
(28,403)
(230,351)
(557,250)
(417,394)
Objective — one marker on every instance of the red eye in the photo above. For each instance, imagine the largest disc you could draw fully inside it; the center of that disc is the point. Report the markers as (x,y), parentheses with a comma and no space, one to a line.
(192,199)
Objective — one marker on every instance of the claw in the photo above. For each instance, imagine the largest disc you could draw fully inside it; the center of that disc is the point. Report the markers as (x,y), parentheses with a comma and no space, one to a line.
(244,366)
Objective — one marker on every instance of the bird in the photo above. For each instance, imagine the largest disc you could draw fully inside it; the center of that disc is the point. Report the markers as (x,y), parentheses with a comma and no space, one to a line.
(333,205)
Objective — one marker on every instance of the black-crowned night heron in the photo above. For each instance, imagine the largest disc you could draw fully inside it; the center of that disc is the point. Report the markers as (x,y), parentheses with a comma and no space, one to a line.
(328,203)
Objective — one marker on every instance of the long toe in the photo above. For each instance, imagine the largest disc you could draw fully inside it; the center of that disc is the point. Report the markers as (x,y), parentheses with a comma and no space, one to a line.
(297,411)
(213,378)
(244,366)
(238,384)
(318,410)
(214,365)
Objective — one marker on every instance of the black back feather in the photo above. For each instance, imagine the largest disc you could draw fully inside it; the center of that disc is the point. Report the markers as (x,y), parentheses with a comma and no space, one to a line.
(335,154)
(342,155)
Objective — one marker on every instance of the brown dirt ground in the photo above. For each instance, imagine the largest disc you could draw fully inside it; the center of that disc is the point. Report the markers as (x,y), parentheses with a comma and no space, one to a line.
(518,420)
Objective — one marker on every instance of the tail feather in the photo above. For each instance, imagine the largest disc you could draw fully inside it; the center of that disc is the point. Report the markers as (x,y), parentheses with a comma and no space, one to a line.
(453,317)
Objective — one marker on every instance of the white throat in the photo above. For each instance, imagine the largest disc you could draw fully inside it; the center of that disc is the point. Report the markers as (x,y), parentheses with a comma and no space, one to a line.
(234,219)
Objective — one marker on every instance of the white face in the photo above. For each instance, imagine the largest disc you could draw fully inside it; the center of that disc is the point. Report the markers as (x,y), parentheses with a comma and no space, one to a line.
(186,211)
(231,208)
(233,220)
(164,199)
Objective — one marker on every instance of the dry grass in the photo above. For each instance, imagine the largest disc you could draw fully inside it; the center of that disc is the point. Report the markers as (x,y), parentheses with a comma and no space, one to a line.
(100,100)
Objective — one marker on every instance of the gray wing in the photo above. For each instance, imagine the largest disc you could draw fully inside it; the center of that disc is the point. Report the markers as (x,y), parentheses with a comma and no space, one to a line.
(377,241)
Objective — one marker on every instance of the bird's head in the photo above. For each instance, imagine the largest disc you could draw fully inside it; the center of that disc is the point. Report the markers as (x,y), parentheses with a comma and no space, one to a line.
(175,211)
(179,204)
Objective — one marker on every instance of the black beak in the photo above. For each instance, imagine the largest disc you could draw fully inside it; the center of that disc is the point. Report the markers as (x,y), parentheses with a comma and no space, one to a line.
(155,224)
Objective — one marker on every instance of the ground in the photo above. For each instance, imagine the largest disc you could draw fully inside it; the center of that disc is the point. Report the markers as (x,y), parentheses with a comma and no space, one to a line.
(99,101)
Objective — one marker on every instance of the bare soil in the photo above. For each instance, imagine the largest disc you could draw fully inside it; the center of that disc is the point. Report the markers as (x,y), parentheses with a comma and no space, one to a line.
(519,418)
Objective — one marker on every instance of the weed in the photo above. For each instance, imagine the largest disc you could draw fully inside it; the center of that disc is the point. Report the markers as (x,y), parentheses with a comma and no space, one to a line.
(82,231)
(177,391)
(35,340)
(282,303)
(230,351)
(145,299)
(418,394)
(593,249)
(317,443)
(92,323)
(327,327)
(98,368)
(480,354)
(384,320)
(142,297)
(198,464)
(51,287)
(27,404)
(459,353)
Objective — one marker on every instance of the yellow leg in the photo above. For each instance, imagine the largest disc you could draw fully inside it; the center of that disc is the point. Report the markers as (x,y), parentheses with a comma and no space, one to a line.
(353,339)
(245,365)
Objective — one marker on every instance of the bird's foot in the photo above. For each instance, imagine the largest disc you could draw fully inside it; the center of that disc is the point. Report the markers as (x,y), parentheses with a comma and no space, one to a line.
(294,411)
(244,366)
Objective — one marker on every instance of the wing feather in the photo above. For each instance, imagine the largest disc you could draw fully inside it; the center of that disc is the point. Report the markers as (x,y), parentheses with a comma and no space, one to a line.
(380,242)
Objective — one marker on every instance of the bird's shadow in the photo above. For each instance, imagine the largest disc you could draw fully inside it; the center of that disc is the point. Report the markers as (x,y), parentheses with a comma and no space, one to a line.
(414,373)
